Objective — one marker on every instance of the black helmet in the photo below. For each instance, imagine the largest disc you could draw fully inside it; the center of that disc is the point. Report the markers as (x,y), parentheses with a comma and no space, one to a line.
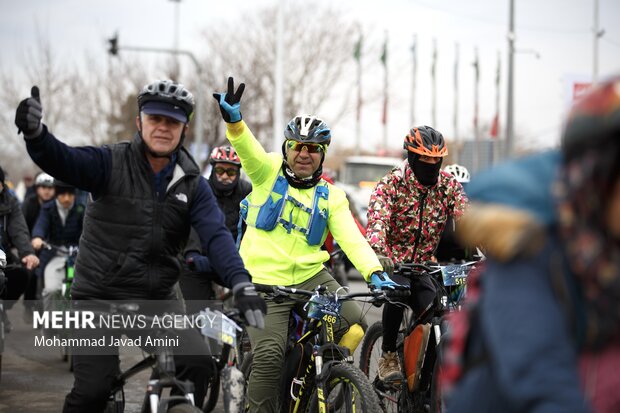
(309,129)
(426,141)
(594,120)
(165,97)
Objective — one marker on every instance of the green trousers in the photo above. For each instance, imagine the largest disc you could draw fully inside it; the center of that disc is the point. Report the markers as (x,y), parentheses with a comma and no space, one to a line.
(268,345)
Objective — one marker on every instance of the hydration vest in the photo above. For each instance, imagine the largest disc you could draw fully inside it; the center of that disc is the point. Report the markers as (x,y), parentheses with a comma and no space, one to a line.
(271,213)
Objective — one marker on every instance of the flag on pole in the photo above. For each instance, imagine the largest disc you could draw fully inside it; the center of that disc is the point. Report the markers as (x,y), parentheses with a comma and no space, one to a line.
(385,89)
(357,49)
(476,65)
(495,124)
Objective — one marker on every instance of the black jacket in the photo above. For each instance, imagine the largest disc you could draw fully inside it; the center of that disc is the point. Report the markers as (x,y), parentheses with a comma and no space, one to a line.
(13,228)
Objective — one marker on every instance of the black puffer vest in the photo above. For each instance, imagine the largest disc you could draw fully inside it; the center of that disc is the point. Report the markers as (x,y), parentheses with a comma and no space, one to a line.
(130,239)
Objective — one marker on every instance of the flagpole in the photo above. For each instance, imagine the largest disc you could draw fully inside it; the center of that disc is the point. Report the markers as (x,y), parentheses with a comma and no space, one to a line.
(434,85)
(278,101)
(495,126)
(455,118)
(357,54)
(385,91)
(476,152)
(413,81)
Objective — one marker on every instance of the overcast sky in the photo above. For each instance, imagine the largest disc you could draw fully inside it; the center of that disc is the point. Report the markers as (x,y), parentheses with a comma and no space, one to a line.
(559,31)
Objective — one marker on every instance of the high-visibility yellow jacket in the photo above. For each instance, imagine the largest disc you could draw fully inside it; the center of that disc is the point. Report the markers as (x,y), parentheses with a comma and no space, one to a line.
(281,257)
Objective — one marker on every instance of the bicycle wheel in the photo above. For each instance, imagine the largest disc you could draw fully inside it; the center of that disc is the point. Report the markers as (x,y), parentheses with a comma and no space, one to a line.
(355,393)
(369,362)
(184,408)
(213,393)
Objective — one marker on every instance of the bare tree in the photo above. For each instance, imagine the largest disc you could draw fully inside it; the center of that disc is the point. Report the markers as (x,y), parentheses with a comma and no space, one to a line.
(318,47)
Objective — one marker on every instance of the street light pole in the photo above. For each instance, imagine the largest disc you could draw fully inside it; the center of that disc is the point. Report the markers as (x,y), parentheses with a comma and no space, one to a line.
(510,94)
(278,101)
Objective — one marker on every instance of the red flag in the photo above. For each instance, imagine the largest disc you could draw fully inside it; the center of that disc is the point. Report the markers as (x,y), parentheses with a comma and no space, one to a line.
(494,126)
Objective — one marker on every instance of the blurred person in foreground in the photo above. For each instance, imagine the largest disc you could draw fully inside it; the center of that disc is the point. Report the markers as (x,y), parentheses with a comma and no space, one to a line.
(146,195)
(546,336)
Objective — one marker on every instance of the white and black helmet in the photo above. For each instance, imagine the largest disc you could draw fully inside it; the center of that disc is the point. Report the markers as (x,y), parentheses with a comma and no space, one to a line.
(167,91)
(459,172)
(44,179)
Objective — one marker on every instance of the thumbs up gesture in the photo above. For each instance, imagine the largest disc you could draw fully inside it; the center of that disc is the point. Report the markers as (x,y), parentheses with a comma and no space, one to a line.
(29,114)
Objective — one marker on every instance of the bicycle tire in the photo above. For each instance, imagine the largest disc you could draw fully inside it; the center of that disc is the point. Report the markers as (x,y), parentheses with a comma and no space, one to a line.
(184,408)
(355,381)
(213,393)
(370,353)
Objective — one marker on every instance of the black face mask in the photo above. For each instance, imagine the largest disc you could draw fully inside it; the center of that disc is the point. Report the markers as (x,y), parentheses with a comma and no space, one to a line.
(426,173)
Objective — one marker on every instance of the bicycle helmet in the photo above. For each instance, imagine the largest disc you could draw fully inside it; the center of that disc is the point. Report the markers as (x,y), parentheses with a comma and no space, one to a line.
(459,172)
(224,154)
(167,98)
(44,179)
(594,120)
(309,129)
(426,141)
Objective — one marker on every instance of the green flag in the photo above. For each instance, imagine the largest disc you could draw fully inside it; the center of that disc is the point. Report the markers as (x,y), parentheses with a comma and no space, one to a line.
(357,49)
(384,52)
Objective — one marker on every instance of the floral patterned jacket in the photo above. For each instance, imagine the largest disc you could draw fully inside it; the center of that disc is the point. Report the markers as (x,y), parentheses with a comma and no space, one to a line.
(406,219)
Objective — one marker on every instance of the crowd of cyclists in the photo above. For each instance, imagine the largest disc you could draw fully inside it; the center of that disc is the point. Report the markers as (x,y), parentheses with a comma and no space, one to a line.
(153,220)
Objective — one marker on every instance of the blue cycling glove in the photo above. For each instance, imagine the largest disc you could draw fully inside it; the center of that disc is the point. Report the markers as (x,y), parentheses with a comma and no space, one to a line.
(230,102)
(381,281)
(199,262)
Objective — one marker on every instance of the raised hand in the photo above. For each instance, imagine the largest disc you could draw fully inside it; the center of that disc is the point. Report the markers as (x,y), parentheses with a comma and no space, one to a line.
(230,102)
(29,114)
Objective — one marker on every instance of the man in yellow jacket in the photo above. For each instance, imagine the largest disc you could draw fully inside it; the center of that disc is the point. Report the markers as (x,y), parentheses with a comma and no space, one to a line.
(288,215)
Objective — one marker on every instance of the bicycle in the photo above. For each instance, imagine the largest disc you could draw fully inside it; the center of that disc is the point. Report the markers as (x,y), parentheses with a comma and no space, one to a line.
(161,359)
(418,342)
(328,380)
(59,272)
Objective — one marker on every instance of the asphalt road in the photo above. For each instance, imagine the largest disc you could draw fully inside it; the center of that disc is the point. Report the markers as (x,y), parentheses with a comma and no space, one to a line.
(38,382)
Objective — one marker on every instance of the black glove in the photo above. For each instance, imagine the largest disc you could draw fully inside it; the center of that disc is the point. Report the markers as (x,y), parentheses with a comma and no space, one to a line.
(198,262)
(251,305)
(230,102)
(29,114)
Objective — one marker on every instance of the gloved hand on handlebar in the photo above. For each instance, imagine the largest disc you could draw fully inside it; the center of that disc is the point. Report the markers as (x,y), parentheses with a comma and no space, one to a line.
(251,305)
(198,262)
(382,281)
(386,263)
(230,102)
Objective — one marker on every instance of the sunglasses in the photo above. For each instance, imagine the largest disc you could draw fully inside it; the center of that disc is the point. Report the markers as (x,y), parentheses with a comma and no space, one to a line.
(230,171)
(310,147)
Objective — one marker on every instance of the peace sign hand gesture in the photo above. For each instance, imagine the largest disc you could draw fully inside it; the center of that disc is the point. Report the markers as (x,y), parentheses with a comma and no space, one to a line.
(230,102)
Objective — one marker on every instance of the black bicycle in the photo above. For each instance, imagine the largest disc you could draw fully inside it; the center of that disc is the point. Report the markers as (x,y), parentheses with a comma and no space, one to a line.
(161,360)
(327,380)
(418,342)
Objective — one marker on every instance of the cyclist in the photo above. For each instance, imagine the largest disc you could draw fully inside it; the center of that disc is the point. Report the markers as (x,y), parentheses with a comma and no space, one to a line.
(43,191)
(59,223)
(14,234)
(229,189)
(288,214)
(546,333)
(146,194)
(449,247)
(407,214)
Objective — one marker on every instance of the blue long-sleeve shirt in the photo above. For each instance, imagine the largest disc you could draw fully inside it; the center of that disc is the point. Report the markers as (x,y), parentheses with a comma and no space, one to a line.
(89,168)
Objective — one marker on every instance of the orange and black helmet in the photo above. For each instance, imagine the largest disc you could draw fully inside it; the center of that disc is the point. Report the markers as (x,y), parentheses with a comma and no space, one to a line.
(426,141)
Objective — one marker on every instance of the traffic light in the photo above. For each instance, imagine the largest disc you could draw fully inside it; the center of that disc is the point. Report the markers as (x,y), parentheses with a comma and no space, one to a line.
(113,41)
